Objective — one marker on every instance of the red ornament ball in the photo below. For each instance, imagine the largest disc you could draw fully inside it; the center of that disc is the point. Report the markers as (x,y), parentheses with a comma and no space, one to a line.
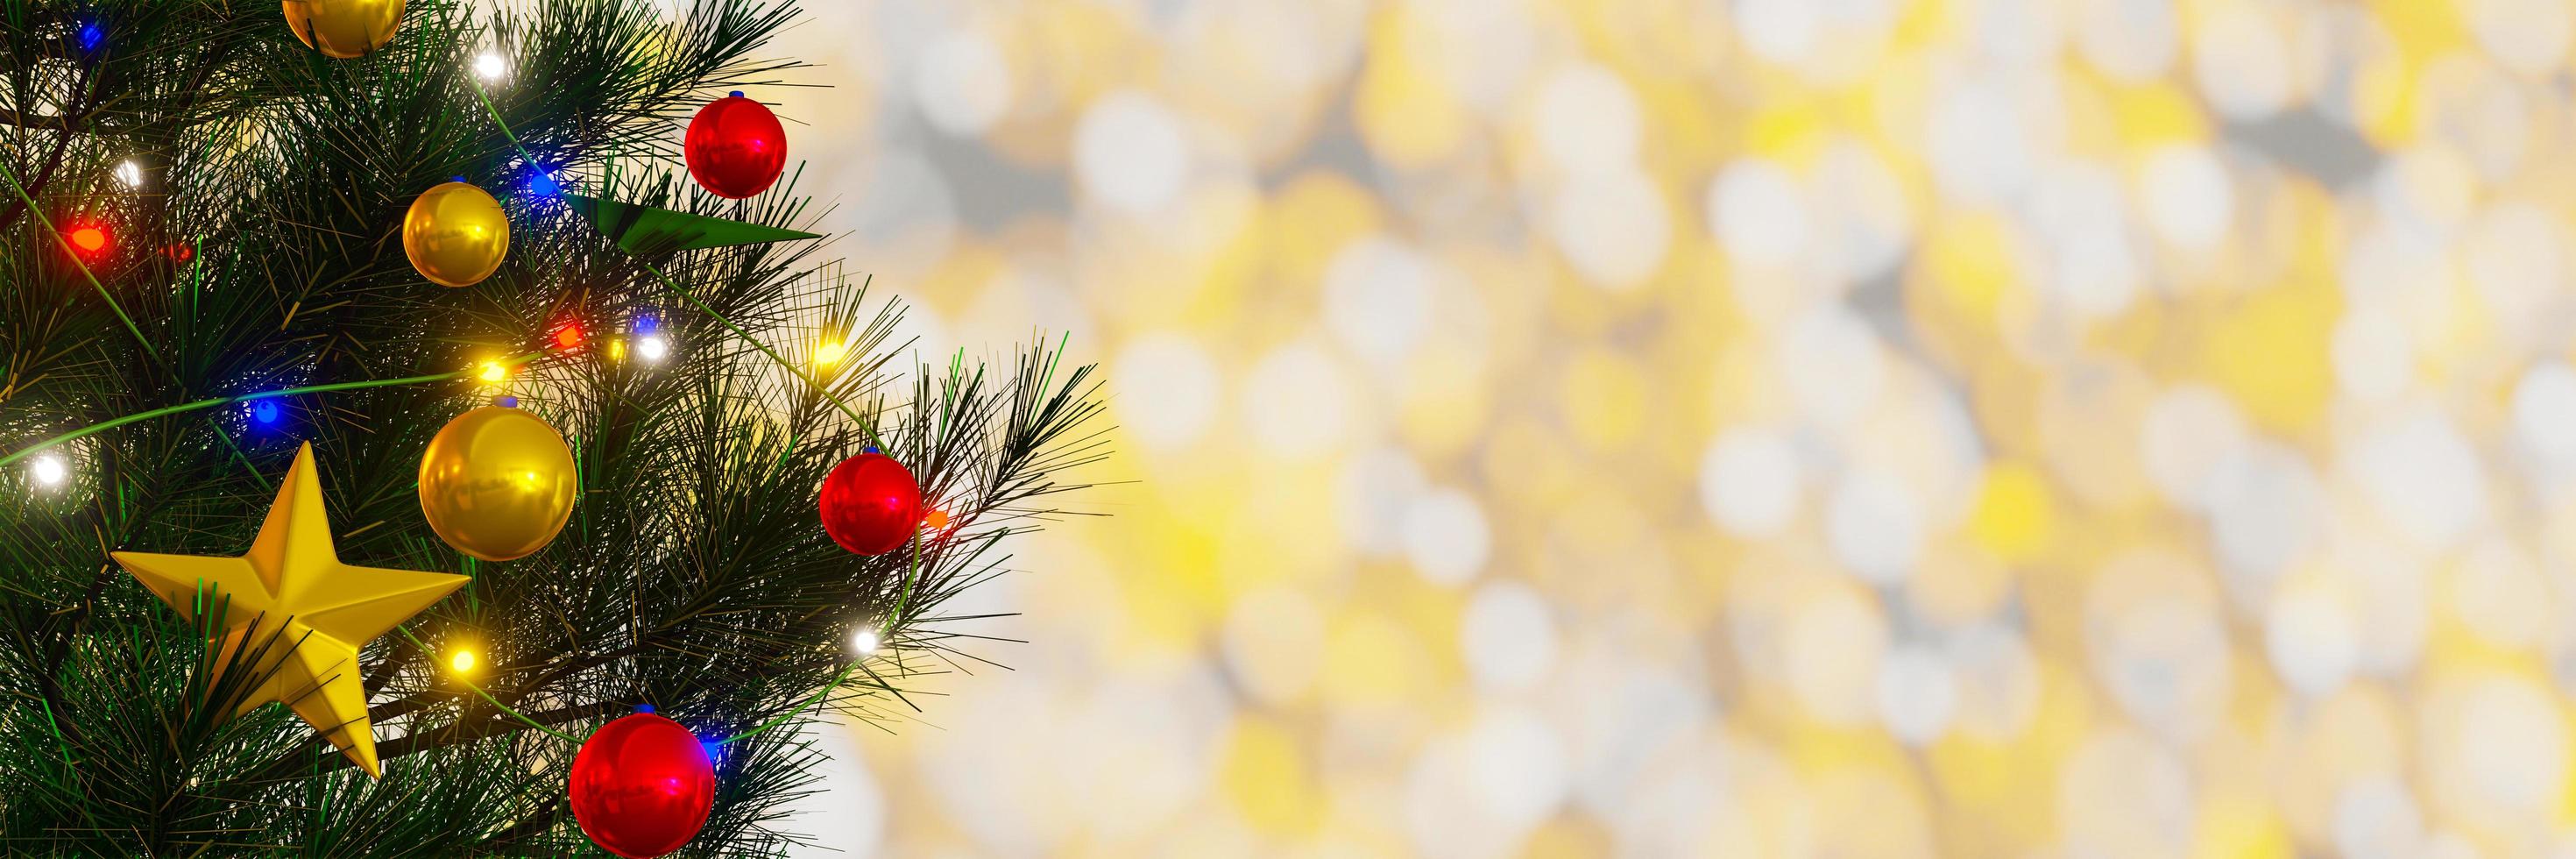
(871,504)
(642,786)
(735,147)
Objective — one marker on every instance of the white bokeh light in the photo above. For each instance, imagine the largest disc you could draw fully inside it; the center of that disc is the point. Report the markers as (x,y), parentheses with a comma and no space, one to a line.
(1168,389)
(1377,297)
(1445,536)
(1296,401)
(1916,694)
(1874,525)
(2544,412)
(1273,641)
(962,83)
(491,67)
(1129,152)
(1587,120)
(1507,637)
(1758,212)
(2189,431)
(2242,62)
(1750,481)
(1612,227)
(2188,200)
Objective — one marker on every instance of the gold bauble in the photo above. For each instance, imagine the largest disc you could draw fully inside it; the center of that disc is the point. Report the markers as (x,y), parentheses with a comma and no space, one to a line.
(344,28)
(455,234)
(497,483)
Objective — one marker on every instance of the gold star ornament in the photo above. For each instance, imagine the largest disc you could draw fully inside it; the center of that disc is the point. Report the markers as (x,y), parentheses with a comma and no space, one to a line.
(292,582)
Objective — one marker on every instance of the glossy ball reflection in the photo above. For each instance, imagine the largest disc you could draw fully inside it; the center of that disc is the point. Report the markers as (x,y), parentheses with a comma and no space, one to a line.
(642,786)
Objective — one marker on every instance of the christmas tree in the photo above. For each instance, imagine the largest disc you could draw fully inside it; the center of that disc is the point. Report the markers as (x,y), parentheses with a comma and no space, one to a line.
(261,447)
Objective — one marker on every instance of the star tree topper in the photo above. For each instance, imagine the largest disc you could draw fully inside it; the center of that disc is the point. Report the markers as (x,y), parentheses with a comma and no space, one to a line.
(292,577)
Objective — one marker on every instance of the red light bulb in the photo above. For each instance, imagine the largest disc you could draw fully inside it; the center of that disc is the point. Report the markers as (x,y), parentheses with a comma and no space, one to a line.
(568,337)
(89,239)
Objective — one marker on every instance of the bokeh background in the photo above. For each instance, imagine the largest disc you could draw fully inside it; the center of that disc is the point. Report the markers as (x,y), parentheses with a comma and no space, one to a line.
(1882,428)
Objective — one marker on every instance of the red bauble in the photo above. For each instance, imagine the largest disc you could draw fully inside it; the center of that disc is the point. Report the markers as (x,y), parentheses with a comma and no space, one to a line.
(642,785)
(871,504)
(735,147)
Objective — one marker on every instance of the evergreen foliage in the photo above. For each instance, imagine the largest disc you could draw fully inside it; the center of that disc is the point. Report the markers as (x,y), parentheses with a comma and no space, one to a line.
(263,251)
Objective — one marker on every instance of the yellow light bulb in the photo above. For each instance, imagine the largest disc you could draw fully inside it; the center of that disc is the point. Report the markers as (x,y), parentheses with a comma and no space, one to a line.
(494,372)
(829,353)
(462,661)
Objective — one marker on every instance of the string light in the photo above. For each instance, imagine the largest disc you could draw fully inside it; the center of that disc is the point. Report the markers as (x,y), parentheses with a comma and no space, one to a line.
(490,67)
(830,353)
(461,661)
(864,641)
(568,337)
(652,347)
(265,411)
(493,373)
(48,470)
(130,173)
(91,239)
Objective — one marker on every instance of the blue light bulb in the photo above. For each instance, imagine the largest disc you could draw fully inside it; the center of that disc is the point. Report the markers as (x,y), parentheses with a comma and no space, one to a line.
(92,35)
(543,185)
(264,411)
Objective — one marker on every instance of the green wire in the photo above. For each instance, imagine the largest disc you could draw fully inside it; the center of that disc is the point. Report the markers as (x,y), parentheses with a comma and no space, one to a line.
(529,158)
(38,213)
(210,402)
(800,708)
(487,696)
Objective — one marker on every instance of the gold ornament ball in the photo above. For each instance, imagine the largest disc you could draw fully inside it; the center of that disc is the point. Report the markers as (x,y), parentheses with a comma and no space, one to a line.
(455,234)
(497,483)
(344,29)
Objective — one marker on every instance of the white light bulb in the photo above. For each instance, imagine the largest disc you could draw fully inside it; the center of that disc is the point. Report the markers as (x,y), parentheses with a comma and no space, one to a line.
(48,470)
(864,641)
(652,348)
(130,173)
(489,67)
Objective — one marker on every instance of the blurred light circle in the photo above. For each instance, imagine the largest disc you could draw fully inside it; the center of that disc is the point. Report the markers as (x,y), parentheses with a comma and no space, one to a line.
(2188,200)
(1518,766)
(2078,208)
(2312,638)
(2133,41)
(1759,212)
(1980,149)
(1374,488)
(1168,389)
(2374,361)
(962,83)
(1129,152)
(1273,643)
(2158,643)
(1749,481)
(1612,227)
(2266,511)
(2189,431)
(1781,31)
(1861,218)
(2242,62)
(2428,190)
(1874,526)
(1296,402)
(1835,641)
(2119,794)
(1587,121)
(2544,412)
(2376,818)
(1916,694)
(1998,679)
(1377,297)
(2528,35)
(1507,637)
(2422,476)
(2512,741)
(2501,596)
(1832,363)
(1445,536)
(2512,255)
